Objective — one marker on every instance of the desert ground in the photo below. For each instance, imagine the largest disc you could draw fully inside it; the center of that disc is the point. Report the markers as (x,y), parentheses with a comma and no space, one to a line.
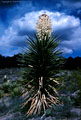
(11,102)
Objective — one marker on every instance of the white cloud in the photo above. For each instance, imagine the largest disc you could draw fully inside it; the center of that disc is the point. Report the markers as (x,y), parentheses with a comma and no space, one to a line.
(67,50)
(63,21)
(59,20)
(12,36)
(74,41)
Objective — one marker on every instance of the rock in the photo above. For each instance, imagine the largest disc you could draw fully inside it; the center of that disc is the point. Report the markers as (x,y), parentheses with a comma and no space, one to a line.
(75,94)
(46,118)
(50,118)
(11,74)
(76,111)
(7,101)
(43,116)
(13,116)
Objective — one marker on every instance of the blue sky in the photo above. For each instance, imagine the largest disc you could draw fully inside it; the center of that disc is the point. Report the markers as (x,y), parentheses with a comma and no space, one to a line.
(19,18)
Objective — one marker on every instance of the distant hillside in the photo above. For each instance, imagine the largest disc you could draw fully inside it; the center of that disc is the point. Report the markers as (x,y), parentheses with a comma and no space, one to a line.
(72,63)
(7,62)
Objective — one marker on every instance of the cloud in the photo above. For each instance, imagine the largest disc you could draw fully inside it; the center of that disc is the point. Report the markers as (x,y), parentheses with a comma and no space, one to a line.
(14,35)
(74,41)
(66,50)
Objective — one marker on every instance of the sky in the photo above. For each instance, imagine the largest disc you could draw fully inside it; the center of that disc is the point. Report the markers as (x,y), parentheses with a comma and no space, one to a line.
(18,18)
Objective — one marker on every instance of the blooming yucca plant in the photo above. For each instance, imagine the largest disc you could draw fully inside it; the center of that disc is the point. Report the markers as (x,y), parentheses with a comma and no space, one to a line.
(43,26)
(41,62)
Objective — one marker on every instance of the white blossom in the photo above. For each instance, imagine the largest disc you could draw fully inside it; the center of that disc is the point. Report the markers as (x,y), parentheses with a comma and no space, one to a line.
(43,25)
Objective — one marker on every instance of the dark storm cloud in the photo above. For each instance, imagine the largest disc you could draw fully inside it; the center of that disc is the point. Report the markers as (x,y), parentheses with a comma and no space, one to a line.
(65,33)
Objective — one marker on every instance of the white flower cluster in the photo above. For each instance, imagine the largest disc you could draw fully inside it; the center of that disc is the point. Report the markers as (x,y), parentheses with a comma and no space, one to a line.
(43,25)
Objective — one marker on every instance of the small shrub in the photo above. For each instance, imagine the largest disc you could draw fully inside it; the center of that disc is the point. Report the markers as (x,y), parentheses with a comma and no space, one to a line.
(77,84)
(16,92)
(1,93)
(48,112)
(3,108)
(1,87)
(6,87)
